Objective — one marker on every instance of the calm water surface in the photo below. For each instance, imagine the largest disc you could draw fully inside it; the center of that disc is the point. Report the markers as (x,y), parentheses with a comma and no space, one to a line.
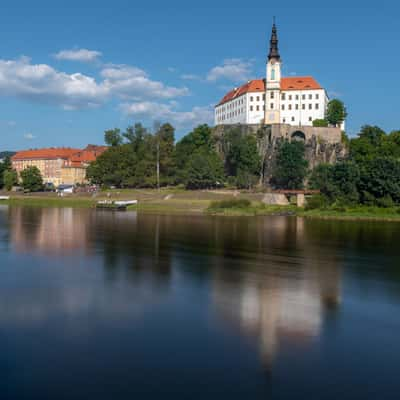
(125,306)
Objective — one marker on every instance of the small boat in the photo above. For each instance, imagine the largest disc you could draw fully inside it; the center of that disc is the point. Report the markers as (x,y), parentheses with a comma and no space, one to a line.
(126,202)
(4,197)
(114,205)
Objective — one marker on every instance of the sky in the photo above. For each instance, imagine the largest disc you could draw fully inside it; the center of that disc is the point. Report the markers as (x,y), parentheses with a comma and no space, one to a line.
(70,70)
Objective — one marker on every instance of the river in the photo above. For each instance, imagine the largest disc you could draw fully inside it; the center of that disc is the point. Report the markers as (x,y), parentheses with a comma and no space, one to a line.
(104,305)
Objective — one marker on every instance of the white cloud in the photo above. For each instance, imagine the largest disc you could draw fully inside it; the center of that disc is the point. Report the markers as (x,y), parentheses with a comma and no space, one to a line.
(29,136)
(82,55)
(42,83)
(134,83)
(190,77)
(168,112)
(235,70)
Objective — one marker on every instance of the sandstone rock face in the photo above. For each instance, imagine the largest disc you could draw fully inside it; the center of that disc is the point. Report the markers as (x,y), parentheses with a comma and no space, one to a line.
(275,199)
(322,145)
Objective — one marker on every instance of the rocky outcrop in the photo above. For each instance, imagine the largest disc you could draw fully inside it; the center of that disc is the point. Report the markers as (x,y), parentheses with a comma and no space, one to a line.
(321,146)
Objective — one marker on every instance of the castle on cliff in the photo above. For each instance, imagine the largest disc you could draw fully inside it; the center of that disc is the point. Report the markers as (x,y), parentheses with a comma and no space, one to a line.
(296,101)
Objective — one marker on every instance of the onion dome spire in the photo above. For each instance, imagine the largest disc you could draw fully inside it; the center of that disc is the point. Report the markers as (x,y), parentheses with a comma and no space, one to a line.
(273,49)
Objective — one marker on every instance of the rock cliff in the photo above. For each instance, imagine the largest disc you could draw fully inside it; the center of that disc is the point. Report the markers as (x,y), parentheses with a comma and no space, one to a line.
(321,146)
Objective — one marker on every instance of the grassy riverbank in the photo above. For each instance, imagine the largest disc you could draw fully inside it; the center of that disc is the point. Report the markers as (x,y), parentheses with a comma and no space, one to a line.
(211,202)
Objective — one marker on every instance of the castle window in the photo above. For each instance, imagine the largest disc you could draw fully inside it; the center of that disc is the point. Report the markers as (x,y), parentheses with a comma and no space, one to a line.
(283,96)
(273,74)
(310,119)
(292,119)
(303,106)
(251,108)
(251,98)
(272,106)
(272,95)
(303,96)
(317,96)
(310,96)
(290,106)
(290,97)
(258,98)
(297,106)
(310,106)
(283,107)
(258,108)
(264,97)
(284,120)
(316,106)
(297,96)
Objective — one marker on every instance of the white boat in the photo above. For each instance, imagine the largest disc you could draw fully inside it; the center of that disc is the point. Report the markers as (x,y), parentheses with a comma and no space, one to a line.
(4,197)
(125,202)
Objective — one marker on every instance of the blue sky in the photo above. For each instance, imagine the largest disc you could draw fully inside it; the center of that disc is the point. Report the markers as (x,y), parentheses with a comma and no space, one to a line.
(69,70)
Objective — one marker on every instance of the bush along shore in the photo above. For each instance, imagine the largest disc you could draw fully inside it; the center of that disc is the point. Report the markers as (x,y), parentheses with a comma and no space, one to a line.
(217,203)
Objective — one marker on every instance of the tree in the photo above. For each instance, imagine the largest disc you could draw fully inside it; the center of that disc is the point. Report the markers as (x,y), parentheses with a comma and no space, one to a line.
(336,112)
(113,137)
(10,178)
(4,166)
(114,167)
(380,179)
(242,158)
(165,138)
(291,166)
(32,179)
(339,181)
(320,123)
(204,170)
(373,142)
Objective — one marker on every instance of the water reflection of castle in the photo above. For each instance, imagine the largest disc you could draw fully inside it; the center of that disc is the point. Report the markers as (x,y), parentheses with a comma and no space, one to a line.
(279,299)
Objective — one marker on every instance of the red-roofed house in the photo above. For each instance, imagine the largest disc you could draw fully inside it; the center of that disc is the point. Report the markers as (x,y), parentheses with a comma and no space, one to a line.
(58,165)
(274,100)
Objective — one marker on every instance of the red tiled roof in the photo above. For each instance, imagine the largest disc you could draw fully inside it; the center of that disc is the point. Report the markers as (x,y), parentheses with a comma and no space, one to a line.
(299,83)
(258,85)
(72,157)
(87,155)
(45,154)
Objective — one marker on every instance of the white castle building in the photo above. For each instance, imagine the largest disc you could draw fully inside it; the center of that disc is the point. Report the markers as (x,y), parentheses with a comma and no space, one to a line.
(274,100)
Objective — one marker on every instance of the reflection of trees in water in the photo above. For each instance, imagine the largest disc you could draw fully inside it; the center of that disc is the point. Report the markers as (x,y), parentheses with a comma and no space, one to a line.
(133,247)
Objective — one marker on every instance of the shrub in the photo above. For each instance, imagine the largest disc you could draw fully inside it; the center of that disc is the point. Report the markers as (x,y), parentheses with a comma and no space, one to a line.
(231,203)
(385,202)
(317,202)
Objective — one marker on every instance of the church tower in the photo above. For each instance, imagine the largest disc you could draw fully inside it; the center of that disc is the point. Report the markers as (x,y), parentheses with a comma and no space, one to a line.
(273,81)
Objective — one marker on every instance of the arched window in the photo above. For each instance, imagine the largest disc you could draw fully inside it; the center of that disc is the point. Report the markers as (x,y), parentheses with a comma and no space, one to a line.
(272,74)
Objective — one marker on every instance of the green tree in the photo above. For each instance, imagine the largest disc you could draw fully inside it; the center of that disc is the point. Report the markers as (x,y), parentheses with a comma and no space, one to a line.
(336,112)
(113,137)
(4,166)
(242,158)
(380,179)
(320,123)
(204,170)
(165,142)
(337,182)
(32,179)
(291,166)
(114,167)
(10,178)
